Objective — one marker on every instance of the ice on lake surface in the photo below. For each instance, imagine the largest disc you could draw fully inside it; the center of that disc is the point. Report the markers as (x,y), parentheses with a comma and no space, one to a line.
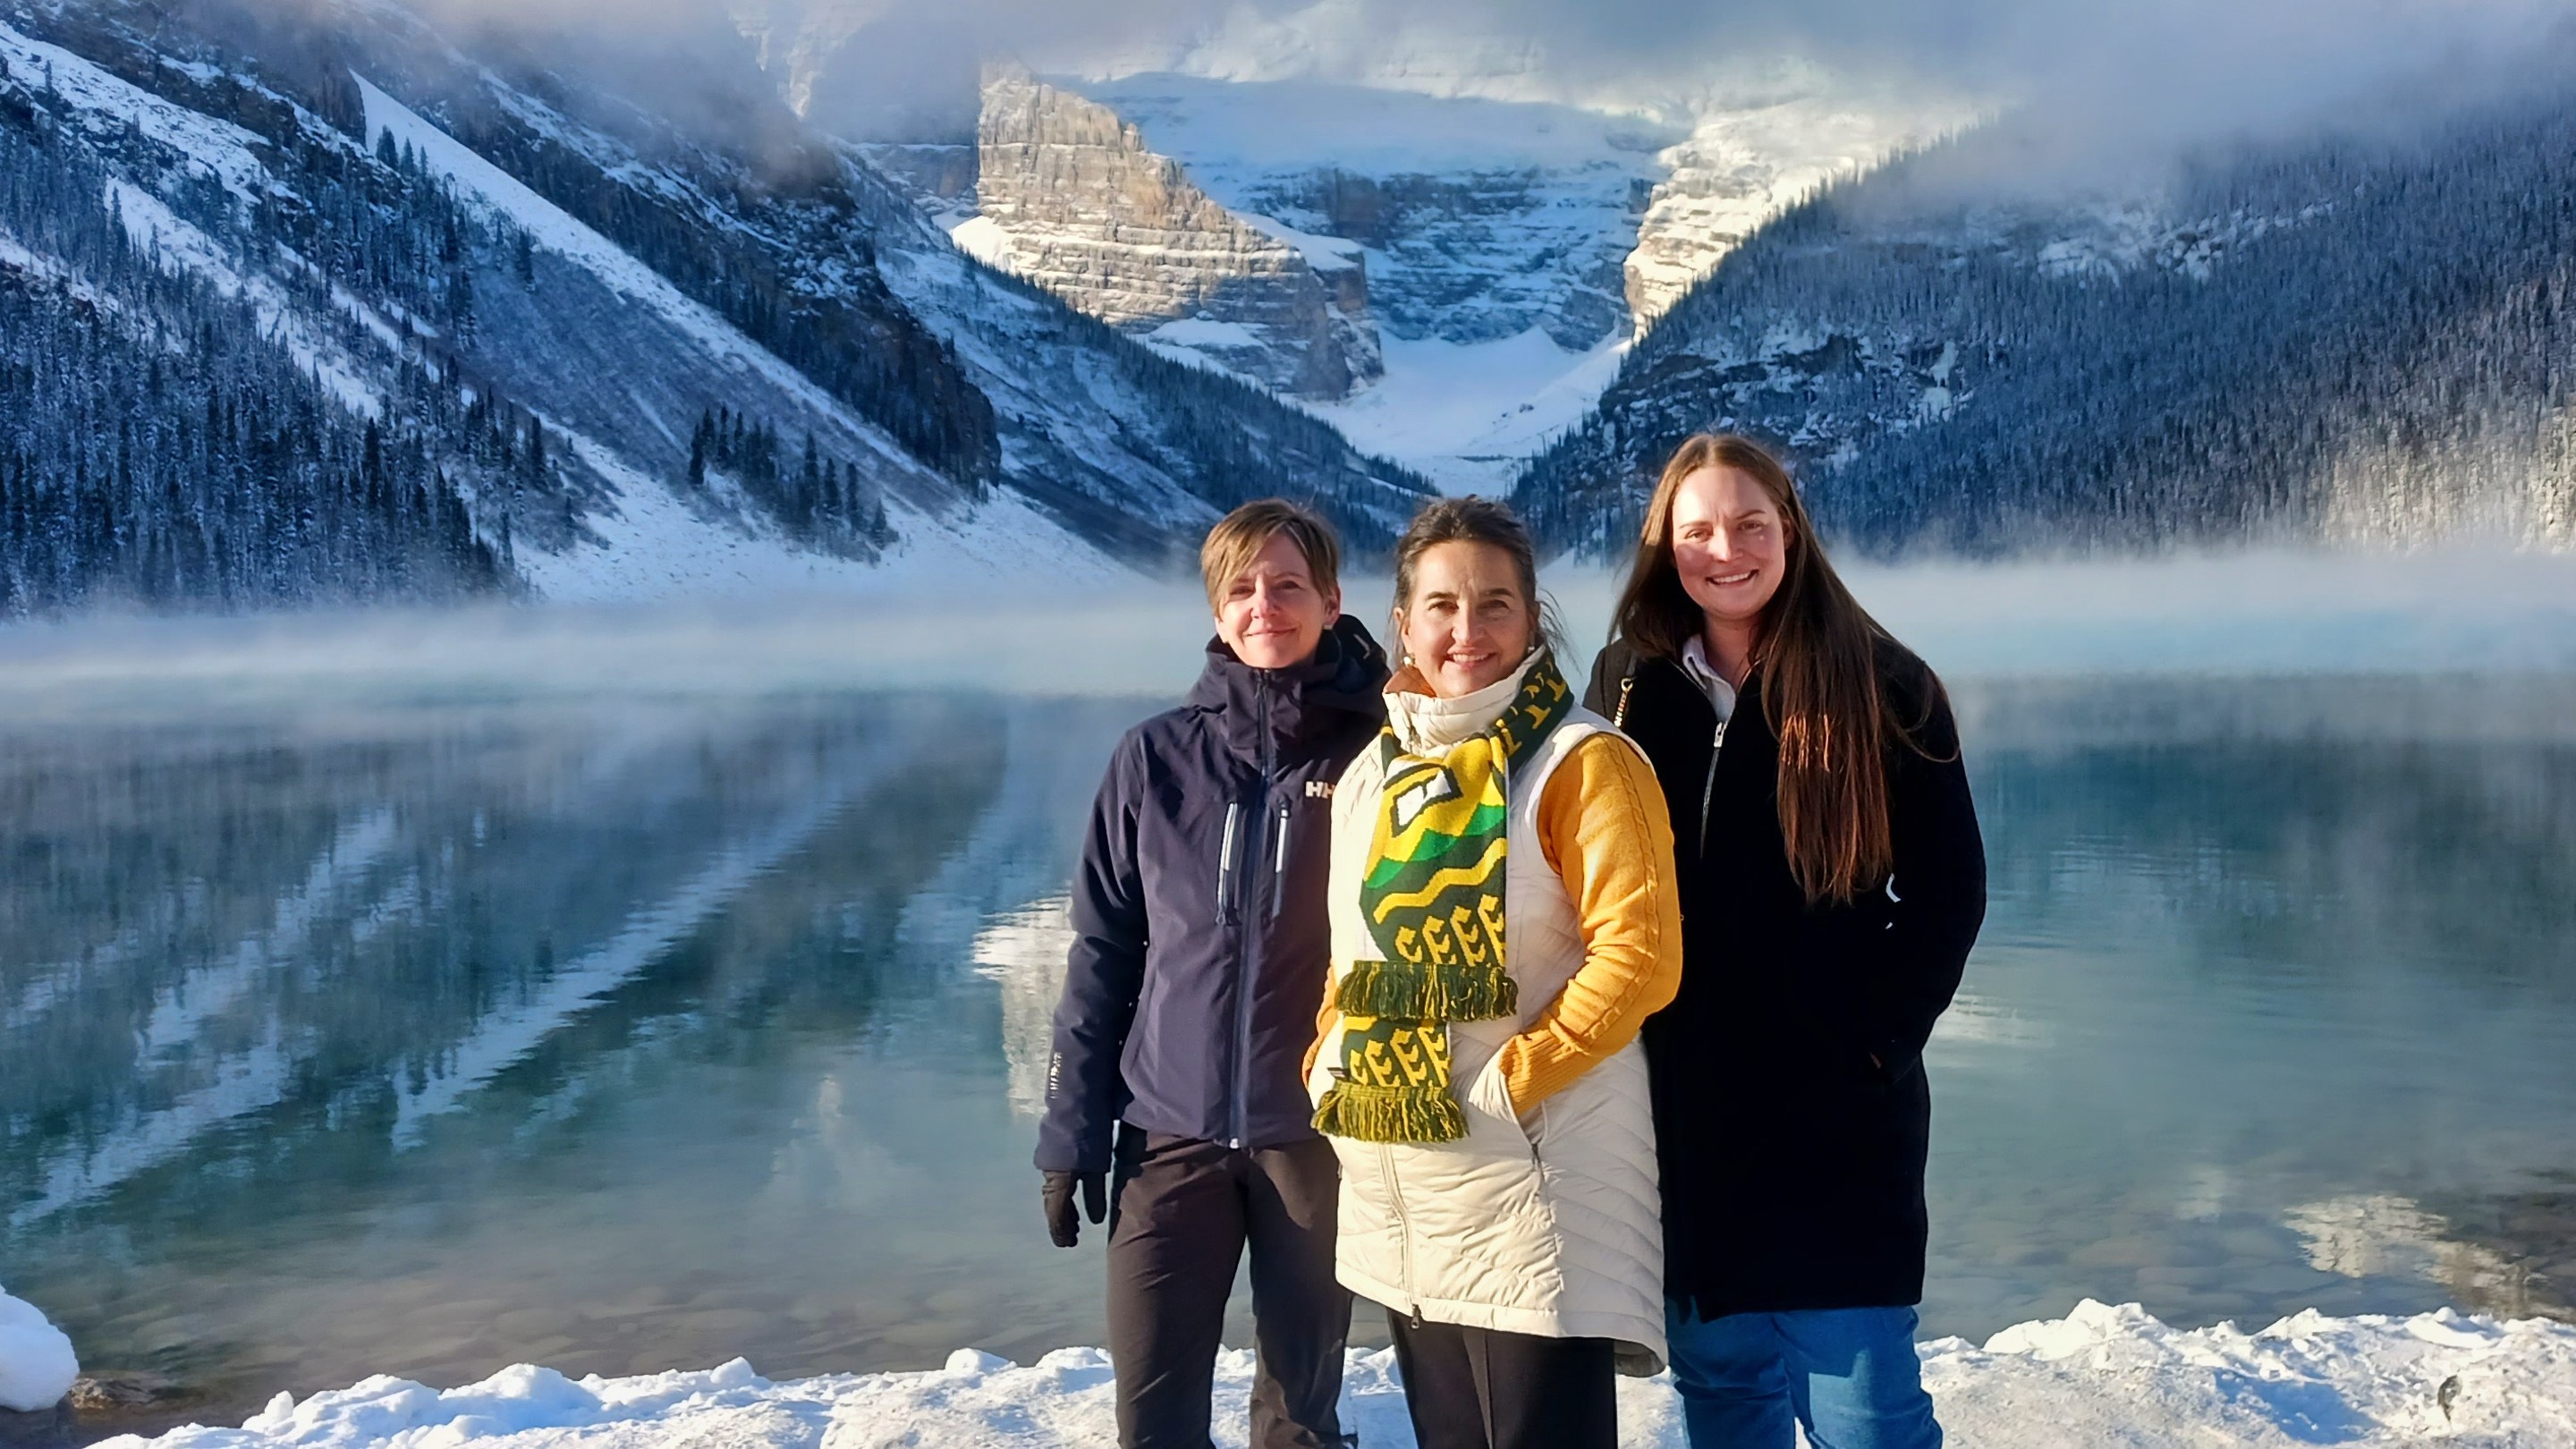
(630,1034)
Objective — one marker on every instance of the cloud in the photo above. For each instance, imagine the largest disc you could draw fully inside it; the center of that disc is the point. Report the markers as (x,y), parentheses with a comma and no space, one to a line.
(2099,75)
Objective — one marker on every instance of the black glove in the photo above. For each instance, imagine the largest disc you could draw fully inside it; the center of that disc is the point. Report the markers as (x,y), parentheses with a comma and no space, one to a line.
(1058,1197)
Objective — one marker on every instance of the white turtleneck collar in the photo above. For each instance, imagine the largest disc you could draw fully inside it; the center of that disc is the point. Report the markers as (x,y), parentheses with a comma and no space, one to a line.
(1426,724)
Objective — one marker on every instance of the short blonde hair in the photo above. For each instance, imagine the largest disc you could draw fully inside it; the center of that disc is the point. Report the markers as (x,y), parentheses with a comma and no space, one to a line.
(1240,536)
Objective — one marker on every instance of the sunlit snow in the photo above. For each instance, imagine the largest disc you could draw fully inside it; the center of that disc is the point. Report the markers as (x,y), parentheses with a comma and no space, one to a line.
(2102,1376)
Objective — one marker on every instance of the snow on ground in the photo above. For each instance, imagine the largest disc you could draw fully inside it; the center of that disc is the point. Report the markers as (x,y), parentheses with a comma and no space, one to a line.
(36,1362)
(1464,414)
(2101,1376)
(1325,254)
(1181,338)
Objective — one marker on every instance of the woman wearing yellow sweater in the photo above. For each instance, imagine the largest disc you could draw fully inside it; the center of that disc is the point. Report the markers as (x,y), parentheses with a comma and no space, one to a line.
(1503,921)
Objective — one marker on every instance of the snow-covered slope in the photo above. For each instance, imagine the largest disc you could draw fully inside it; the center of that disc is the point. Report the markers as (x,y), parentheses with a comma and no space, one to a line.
(2099,1378)
(590,330)
(1757,148)
(613,362)
(651,543)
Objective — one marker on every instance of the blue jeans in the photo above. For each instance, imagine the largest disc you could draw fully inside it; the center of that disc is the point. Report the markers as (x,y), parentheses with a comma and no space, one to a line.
(1848,1376)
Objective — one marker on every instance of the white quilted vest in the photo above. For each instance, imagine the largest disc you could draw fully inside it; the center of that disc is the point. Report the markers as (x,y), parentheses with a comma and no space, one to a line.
(1549,1225)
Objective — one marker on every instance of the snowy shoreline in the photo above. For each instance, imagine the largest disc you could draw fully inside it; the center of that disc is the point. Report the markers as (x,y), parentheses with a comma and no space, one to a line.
(2100,1376)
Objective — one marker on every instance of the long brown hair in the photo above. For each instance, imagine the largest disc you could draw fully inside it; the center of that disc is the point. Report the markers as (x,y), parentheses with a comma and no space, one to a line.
(1818,652)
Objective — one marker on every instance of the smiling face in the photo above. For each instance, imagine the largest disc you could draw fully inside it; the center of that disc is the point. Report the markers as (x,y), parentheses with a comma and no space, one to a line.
(1730,545)
(1468,623)
(1272,615)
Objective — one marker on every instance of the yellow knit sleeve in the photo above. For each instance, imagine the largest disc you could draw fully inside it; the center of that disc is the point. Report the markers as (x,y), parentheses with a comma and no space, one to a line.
(1323,1025)
(1604,828)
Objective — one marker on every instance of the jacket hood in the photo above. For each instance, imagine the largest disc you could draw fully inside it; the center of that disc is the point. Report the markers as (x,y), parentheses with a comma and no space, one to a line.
(1344,679)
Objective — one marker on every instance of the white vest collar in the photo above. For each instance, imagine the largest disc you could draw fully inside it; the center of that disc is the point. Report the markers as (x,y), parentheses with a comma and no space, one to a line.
(1426,724)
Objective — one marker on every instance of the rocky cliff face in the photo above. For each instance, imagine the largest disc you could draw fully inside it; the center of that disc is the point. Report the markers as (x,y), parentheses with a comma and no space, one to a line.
(1077,203)
(1480,219)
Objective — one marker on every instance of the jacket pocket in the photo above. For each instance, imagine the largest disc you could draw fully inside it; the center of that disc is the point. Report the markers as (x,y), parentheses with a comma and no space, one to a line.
(1489,1110)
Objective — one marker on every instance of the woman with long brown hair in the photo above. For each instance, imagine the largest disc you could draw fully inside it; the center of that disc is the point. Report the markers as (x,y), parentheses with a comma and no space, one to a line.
(1832,881)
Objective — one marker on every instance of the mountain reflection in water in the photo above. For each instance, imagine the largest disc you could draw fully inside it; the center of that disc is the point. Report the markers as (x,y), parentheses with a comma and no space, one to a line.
(634,1036)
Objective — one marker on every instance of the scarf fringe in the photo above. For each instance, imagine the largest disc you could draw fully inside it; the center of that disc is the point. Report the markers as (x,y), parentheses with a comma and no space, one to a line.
(1403,991)
(1365,1113)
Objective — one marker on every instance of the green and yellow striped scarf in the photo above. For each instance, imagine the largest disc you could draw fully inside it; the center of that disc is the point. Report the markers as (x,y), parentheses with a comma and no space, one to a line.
(1433,897)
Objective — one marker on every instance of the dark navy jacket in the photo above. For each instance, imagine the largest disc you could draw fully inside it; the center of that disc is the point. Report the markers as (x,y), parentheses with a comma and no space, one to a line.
(1200,947)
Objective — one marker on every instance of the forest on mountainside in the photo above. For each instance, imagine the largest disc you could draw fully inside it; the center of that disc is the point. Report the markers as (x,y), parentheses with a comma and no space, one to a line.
(2354,339)
(255,351)
(160,443)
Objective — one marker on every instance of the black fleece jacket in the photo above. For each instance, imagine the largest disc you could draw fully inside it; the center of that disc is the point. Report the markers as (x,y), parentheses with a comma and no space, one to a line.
(1792,1117)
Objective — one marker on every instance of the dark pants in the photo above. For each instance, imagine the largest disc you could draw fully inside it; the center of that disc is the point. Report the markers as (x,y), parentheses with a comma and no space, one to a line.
(1183,1212)
(1480,1388)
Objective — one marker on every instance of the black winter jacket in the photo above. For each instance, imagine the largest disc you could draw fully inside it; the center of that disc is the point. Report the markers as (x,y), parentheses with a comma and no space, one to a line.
(1200,947)
(1792,1118)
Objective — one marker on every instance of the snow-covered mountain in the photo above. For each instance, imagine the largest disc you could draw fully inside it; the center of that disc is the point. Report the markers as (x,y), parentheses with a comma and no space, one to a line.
(506,319)
(1497,227)
(2347,339)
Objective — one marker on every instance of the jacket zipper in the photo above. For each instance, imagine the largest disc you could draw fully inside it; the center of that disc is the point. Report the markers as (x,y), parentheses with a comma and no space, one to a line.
(1279,867)
(1243,962)
(1708,788)
(1225,860)
(1403,1230)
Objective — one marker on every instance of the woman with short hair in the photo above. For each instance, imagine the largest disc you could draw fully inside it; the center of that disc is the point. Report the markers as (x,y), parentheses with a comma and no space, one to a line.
(1832,880)
(1173,1096)
(1503,921)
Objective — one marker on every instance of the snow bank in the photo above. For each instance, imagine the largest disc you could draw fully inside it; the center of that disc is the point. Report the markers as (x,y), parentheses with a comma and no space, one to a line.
(36,1362)
(2100,1376)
